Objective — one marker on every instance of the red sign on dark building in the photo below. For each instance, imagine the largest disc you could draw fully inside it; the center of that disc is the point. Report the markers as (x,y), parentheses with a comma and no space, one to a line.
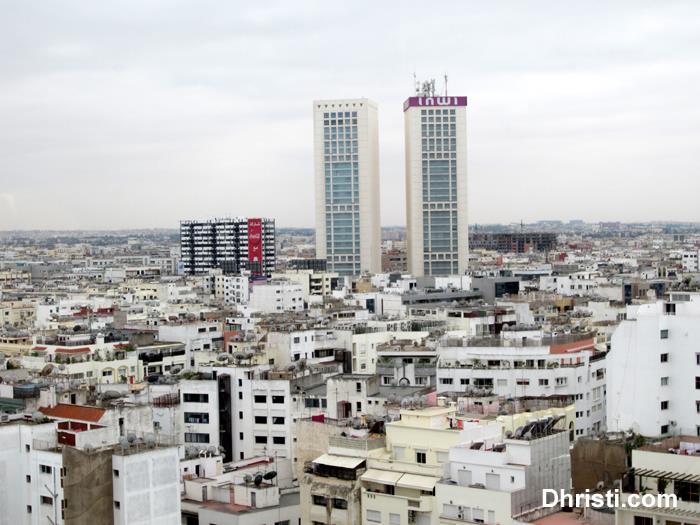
(255,248)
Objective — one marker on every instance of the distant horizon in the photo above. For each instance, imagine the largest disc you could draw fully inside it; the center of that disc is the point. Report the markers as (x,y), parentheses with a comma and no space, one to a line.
(395,226)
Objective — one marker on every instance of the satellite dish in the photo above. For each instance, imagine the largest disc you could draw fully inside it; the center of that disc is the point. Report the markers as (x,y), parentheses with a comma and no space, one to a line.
(131,437)
(258,479)
(270,475)
(247,478)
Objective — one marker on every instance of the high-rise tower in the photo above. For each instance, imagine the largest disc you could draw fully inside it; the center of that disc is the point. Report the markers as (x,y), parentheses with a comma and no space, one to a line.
(436,182)
(346,151)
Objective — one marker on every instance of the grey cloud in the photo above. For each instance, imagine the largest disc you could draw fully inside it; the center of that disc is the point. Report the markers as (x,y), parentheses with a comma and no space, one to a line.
(132,114)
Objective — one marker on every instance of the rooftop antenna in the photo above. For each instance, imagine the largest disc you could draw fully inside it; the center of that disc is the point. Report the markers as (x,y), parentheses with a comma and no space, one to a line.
(416,84)
(445,84)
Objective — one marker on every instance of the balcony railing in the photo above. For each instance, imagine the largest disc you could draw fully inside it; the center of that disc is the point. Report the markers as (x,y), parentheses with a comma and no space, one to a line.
(365,444)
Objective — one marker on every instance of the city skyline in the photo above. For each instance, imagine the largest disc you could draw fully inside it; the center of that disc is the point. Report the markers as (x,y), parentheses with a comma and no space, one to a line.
(97,125)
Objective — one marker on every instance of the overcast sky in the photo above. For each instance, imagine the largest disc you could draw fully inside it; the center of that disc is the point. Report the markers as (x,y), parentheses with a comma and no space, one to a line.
(140,113)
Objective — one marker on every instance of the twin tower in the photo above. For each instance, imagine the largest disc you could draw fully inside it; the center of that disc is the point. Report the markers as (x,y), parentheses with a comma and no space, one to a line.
(346,148)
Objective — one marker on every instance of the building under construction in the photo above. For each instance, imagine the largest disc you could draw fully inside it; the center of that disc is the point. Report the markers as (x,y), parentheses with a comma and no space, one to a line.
(513,242)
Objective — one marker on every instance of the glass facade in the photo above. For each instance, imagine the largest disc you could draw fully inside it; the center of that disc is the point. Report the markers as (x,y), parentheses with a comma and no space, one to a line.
(439,176)
(342,199)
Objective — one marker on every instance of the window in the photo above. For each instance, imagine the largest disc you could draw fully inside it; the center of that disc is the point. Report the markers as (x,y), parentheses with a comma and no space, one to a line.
(277,420)
(196,398)
(278,400)
(664,381)
(45,469)
(464,381)
(261,420)
(117,505)
(522,382)
(697,383)
(374,516)
(420,457)
(358,387)
(544,382)
(664,334)
(240,415)
(28,478)
(260,399)
(358,406)
(687,491)
(115,472)
(29,509)
(394,519)
(27,448)
(321,501)
(278,440)
(197,417)
(339,503)
(445,380)
(664,429)
(664,358)
(664,405)
(195,437)
(643,520)
(261,440)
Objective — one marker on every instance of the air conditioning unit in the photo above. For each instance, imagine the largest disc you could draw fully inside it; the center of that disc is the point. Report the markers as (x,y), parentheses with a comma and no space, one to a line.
(4,418)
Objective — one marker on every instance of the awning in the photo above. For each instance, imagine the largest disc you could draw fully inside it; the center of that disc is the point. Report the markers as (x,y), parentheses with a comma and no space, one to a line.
(385,477)
(415,481)
(338,461)
(673,476)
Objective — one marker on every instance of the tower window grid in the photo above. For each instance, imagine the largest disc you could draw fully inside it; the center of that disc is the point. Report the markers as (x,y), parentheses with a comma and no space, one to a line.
(341,174)
(439,154)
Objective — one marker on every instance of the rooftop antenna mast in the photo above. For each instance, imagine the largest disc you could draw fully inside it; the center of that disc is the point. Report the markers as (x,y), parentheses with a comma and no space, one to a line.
(445,84)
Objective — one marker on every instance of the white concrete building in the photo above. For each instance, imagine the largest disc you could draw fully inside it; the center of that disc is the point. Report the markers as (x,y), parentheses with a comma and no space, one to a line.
(691,261)
(146,486)
(24,471)
(436,183)
(346,154)
(232,289)
(197,336)
(278,296)
(495,479)
(670,467)
(200,413)
(564,369)
(56,472)
(654,368)
(575,284)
